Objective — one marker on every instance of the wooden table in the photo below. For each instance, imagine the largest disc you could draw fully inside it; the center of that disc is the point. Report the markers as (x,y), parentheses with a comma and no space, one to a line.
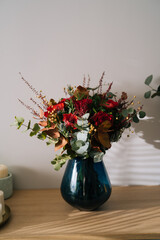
(130,213)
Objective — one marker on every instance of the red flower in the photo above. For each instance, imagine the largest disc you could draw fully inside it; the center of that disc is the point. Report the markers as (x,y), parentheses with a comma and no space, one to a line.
(82,106)
(63,100)
(70,120)
(110,104)
(100,117)
(54,108)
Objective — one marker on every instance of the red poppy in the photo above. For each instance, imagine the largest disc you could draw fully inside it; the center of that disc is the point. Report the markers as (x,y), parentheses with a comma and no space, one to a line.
(82,106)
(110,104)
(54,108)
(70,120)
(100,117)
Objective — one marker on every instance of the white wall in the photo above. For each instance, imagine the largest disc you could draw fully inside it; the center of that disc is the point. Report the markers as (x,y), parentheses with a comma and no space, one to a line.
(54,43)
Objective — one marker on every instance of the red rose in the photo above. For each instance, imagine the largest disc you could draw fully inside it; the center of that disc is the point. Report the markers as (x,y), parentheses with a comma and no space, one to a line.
(82,106)
(70,120)
(100,117)
(110,104)
(54,108)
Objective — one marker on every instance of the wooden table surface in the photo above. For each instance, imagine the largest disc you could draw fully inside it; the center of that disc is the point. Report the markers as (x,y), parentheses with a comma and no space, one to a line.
(130,213)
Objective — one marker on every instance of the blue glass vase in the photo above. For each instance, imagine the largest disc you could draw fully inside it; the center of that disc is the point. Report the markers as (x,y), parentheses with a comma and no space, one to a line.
(85,184)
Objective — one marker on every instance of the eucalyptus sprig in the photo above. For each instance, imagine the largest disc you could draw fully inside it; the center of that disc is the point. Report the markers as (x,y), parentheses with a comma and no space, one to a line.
(153,92)
(35,130)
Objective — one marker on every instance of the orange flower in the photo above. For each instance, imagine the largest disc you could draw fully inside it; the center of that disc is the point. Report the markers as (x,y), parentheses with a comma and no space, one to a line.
(61,143)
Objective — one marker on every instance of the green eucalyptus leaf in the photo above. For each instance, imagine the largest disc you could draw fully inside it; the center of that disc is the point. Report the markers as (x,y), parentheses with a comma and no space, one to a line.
(59,161)
(56,165)
(155,94)
(32,134)
(83,150)
(42,136)
(19,119)
(148,80)
(79,143)
(97,156)
(74,146)
(36,128)
(52,141)
(130,110)
(18,122)
(147,94)
(142,114)
(29,125)
(124,112)
(135,119)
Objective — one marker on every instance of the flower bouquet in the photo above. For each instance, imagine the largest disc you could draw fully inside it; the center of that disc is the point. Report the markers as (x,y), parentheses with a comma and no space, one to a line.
(84,124)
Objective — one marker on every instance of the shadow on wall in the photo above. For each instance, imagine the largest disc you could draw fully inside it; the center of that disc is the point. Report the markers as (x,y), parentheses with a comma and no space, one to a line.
(149,128)
(135,160)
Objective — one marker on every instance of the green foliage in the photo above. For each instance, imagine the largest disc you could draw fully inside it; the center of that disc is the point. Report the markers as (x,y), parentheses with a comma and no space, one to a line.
(130,110)
(124,112)
(18,122)
(63,130)
(29,125)
(51,141)
(35,129)
(93,89)
(157,93)
(70,106)
(80,142)
(97,156)
(42,136)
(142,114)
(59,161)
(147,94)
(96,100)
(77,145)
(110,95)
(70,90)
(148,80)
(135,119)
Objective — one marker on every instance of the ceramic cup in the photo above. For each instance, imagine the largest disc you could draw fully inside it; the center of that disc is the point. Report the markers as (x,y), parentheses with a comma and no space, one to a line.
(6,185)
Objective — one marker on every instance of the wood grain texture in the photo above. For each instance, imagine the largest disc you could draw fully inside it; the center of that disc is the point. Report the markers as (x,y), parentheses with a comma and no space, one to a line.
(130,213)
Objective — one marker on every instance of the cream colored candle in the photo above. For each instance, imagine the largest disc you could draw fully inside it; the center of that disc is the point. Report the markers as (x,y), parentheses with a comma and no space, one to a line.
(3,171)
(1,217)
(2,202)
